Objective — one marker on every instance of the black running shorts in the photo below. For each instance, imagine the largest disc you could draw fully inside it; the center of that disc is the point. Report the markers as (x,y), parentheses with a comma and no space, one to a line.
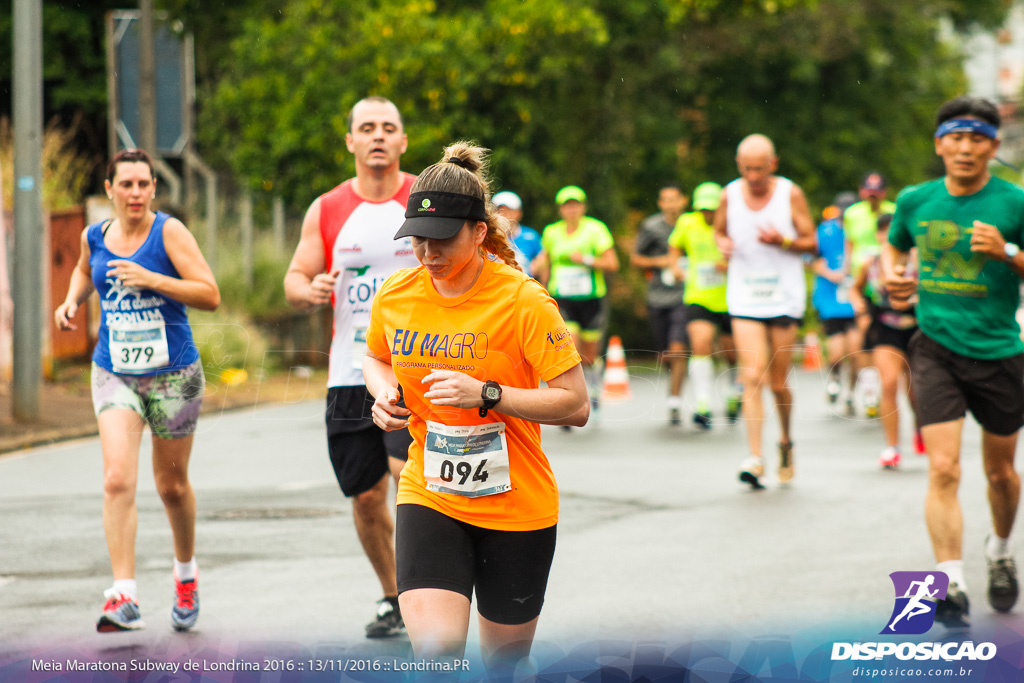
(588,314)
(834,326)
(668,325)
(358,448)
(781,321)
(509,569)
(720,320)
(947,385)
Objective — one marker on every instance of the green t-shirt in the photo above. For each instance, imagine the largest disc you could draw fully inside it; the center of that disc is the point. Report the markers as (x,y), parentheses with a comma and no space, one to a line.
(705,283)
(573,280)
(968,301)
(860,224)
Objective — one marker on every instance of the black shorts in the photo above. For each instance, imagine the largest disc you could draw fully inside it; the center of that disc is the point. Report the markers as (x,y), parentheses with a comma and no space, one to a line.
(947,385)
(587,313)
(358,448)
(509,569)
(778,321)
(720,320)
(881,334)
(834,326)
(668,325)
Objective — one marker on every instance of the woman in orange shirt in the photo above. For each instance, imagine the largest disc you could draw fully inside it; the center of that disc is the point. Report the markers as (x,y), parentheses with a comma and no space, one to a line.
(466,338)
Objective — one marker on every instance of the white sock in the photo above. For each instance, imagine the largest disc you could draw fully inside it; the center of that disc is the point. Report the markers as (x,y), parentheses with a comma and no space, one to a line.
(996,548)
(184,571)
(674,402)
(954,569)
(734,379)
(701,370)
(127,588)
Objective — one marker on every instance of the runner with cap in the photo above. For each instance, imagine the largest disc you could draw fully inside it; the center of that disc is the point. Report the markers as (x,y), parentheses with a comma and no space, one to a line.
(763,226)
(968,355)
(468,338)
(665,308)
(831,299)
(705,299)
(345,253)
(860,223)
(577,252)
(525,241)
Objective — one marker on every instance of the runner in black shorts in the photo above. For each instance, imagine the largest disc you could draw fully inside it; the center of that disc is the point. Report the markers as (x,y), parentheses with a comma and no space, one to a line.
(968,353)
(888,340)
(477,501)
(577,252)
(345,253)
(665,308)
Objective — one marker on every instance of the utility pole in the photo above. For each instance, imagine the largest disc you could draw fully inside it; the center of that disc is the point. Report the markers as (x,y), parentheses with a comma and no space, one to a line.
(28,208)
(147,79)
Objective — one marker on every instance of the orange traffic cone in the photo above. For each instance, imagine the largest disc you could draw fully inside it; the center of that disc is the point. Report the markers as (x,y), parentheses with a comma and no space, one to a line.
(616,378)
(812,352)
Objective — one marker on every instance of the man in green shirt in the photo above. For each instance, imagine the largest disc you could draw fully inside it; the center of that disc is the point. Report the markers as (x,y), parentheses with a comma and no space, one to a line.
(968,354)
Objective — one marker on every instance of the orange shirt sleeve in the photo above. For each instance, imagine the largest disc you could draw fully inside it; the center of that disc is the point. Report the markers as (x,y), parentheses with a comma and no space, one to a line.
(376,337)
(545,340)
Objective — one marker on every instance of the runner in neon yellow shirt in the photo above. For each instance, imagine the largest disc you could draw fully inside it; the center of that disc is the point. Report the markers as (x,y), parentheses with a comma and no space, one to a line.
(577,251)
(706,311)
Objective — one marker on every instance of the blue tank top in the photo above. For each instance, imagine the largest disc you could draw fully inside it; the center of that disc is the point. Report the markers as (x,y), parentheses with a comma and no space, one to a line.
(142,332)
(831,300)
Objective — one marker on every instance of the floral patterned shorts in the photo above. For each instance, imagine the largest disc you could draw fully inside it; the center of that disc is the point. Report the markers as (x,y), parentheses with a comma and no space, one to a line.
(169,402)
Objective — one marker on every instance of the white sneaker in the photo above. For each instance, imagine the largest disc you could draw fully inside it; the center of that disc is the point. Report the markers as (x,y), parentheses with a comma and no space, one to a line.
(832,390)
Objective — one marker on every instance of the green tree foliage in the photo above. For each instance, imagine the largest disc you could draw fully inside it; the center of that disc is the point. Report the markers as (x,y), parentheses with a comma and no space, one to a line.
(74,66)
(614,95)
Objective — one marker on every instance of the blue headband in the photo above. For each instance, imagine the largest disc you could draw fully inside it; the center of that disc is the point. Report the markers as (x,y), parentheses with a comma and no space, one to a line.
(967,126)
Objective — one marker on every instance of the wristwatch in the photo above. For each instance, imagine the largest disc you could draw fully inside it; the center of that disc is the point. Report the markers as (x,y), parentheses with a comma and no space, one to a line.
(1011,250)
(491,394)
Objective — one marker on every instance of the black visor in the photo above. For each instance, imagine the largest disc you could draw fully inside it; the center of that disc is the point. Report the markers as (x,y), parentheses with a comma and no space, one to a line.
(439,215)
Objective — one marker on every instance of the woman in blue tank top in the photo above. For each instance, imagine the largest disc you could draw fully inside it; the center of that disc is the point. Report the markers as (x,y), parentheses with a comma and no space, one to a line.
(146,268)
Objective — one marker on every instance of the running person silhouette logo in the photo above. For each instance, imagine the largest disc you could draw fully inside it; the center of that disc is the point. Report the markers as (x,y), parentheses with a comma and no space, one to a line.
(916,596)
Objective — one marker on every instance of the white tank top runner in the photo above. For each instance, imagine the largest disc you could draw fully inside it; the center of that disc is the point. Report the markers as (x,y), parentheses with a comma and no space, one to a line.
(764,281)
(366,254)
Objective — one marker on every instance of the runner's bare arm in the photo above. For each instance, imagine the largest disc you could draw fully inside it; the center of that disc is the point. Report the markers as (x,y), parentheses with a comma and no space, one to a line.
(306,285)
(383,386)
(820,267)
(988,240)
(674,254)
(721,229)
(541,267)
(806,240)
(563,401)
(79,290)
(894,268)
(195,285)
(608,261)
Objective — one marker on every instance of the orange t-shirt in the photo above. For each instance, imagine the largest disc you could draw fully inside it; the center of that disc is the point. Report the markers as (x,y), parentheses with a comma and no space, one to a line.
(507,329)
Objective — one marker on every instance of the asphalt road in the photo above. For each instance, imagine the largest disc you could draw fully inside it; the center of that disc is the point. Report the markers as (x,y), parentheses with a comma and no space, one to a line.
(657,538)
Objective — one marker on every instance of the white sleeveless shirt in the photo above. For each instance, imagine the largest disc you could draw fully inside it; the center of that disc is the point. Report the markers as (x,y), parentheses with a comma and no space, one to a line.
(359,242)
(764,281)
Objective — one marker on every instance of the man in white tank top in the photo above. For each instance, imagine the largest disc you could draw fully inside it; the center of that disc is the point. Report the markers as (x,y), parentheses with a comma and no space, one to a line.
(347,250)
(763,225)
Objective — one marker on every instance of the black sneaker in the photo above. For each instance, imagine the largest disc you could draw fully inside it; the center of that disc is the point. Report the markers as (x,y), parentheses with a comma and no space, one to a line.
(388,622)
(952,611)
(702,419)
(674,417)
(1002,584)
